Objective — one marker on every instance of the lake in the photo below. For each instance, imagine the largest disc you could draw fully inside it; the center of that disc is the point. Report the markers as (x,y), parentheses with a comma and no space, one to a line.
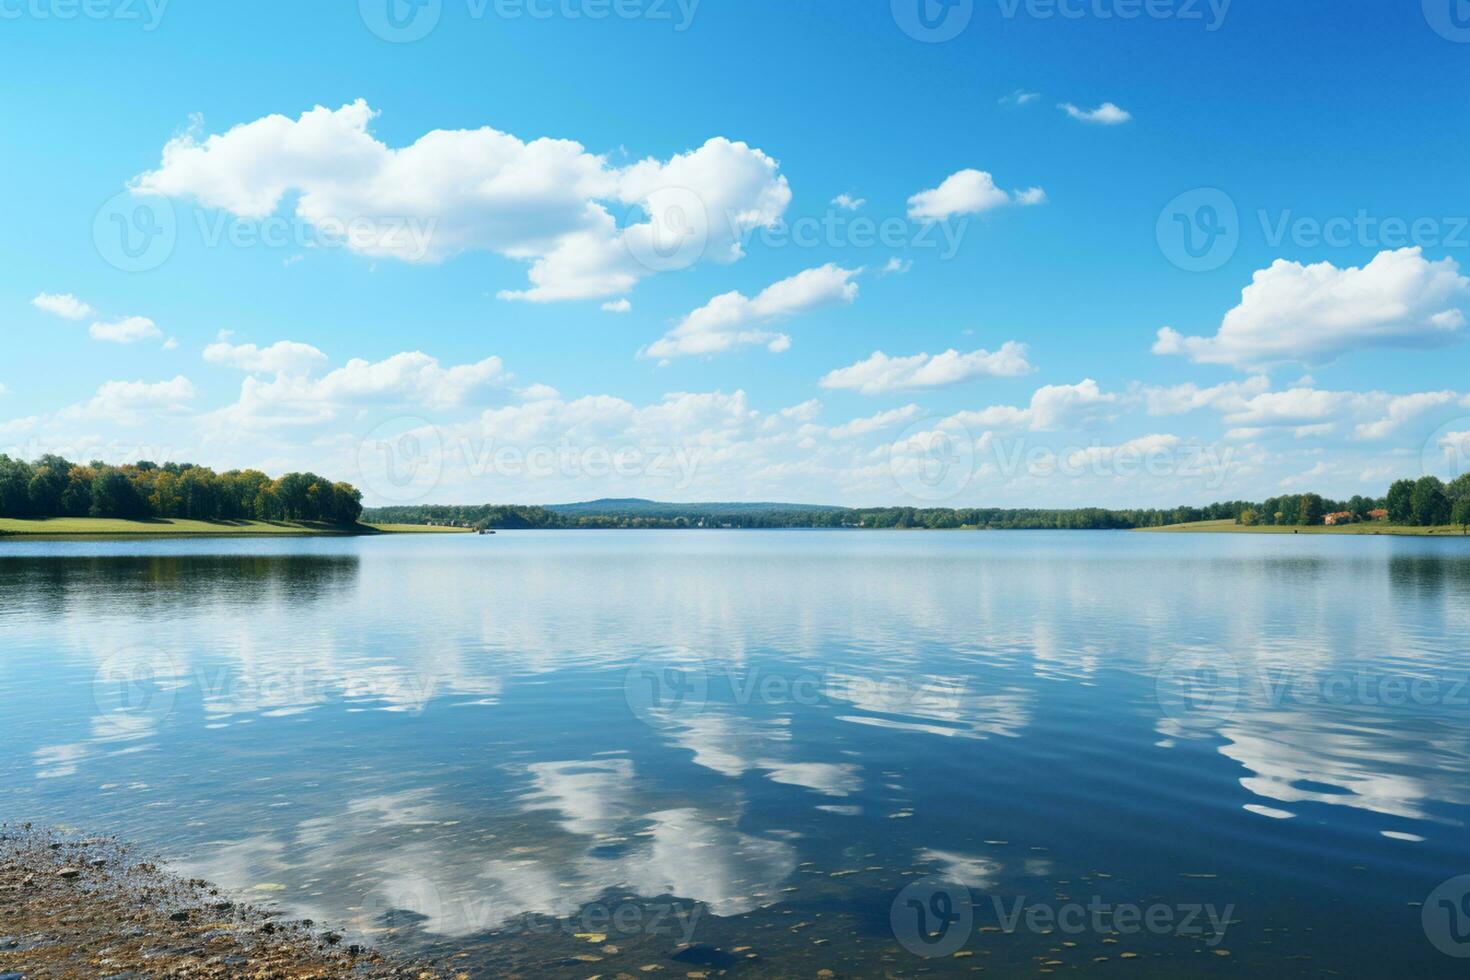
(774,753)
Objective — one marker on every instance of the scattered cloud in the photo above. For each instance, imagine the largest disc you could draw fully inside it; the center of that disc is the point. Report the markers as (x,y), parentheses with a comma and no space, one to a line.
(128,330)
(618,306)
(292,396)
(876,423)
(1158,444)
(64,305)
(1179,399)
(880,374)
(1052,407)
(896,266)
(547,202)
(134,402)
(847,202)
(283,357)
(1313,314)
(734,320)
(1106,114)
(968,192)
(1020,97)
(1302,412)
(1402,409)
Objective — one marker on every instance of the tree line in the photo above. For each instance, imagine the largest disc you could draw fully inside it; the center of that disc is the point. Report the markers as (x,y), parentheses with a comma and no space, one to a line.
(53,486)
(1424,502)
(672,516)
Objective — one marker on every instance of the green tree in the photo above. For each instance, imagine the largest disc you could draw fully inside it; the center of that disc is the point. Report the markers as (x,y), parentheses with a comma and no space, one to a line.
(1460,514)
(1400,503)
(113,495)
(1429,504)
(1310,510)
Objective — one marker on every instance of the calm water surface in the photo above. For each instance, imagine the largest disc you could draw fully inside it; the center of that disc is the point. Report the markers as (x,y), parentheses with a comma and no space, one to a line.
(772,753)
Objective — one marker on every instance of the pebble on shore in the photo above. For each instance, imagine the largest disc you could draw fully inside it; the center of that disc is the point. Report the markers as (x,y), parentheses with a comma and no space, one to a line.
(88,908)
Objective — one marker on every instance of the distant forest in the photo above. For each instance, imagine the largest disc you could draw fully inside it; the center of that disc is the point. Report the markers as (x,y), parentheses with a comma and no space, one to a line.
(1425,502)
(56,487)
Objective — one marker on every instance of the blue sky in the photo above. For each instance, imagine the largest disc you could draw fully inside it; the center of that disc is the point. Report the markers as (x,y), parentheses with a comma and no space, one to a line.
(1047,258)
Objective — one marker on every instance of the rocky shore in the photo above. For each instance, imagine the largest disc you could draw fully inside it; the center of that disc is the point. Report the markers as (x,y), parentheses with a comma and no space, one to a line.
(95,908)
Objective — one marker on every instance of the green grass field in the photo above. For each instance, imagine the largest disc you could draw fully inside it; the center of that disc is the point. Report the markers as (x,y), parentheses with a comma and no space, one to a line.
(1230,527)
(108,527)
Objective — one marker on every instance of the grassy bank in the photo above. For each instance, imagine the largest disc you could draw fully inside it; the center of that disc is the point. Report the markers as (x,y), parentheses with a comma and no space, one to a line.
(104,527)
(1230,527)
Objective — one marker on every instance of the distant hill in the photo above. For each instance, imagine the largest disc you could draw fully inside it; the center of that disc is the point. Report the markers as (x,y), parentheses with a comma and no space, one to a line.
(637,507)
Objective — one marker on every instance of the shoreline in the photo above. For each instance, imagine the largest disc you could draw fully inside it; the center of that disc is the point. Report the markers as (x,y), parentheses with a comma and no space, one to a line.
(95,907)
(1369,529)
(105,528)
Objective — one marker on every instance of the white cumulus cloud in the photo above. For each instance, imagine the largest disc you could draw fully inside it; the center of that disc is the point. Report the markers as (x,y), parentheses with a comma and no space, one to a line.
(967,192)
(880,373)
(128,330)
(875,423)
(735,320)
(1313,314)
(1052,407)
(64,305)
(547,202)
(282,357)
(1106,114)
(133,402)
